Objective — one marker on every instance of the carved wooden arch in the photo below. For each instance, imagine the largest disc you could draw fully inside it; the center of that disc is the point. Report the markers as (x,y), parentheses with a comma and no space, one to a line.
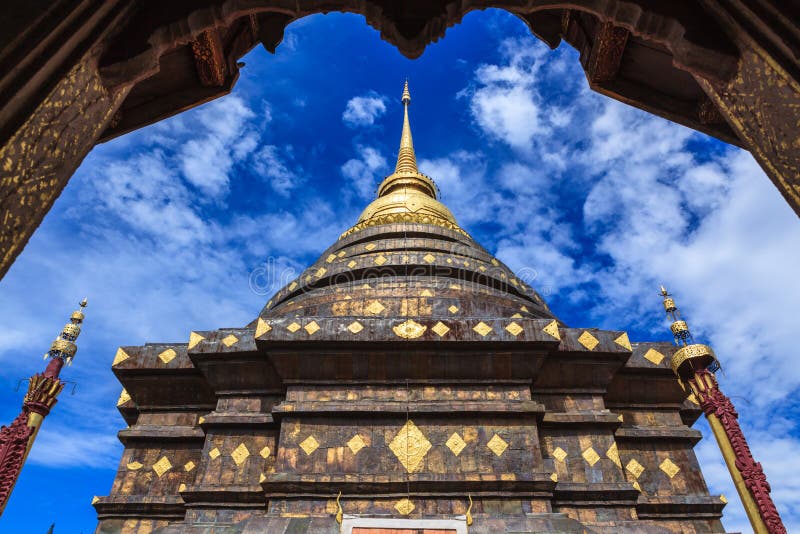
(77,72)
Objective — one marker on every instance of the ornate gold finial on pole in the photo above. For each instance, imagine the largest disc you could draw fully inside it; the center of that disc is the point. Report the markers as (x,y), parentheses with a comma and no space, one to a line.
(17,439)
(695,365)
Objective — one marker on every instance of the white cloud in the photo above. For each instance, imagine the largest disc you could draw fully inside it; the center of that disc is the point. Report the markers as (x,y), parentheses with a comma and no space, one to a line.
(364,110)
(365,171)
(269,162)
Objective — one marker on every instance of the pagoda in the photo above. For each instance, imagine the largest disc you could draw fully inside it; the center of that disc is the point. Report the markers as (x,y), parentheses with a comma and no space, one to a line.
(406,380)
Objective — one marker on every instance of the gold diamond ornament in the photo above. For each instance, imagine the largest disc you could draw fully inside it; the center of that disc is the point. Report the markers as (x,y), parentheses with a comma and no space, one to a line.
(653,356)
(214,453)
(167,355)
(194,340)
(120,357)
(559,454)
(404,506)
(456,443)
(482,328)
(262,327)
(514,329)
(188,466)
(309,445)
(264,453)
(240,454)
(613,454)
(591,456)
(375,307)
(497,445)
(552,330)
(440,328)
(124,397)
(430,258)
(162,466)
(356,443)
(452,309)
(410,446)
(635,468)
(669,467)
(380,260)
(294,327)
(311,328)
(623,341)
(134,466)
(355,327)
(409,329)
(588,340)
(229,340)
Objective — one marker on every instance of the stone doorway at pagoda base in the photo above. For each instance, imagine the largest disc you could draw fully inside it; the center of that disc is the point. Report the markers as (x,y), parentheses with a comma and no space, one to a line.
(363,525)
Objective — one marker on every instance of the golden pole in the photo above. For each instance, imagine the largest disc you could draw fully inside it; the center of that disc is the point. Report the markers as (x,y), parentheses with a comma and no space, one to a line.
(730,460)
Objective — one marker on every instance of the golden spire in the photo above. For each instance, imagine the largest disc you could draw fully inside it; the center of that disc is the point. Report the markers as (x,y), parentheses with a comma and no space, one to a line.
(690,353)
(406,195)
(406,159)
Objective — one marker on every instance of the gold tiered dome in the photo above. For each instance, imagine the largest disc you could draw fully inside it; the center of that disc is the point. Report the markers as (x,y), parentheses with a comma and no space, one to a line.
(407,257)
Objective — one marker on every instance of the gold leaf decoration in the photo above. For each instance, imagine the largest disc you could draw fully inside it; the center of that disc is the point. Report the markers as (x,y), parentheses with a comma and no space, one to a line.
(352,263)
(167,355)
(404,506)
(410,446)
(613,454)
(182,487)
(623,341)
(591,456)
(262,327)
(653,356)
(330,258)
(264,453)
(426,293)
(517,316)
(162,466)
(514,329)
(124,397)
(294,327)
(588,340)
(214,453)
(375,307)
(370,246)
(456,443)
(120,356)
(452,309)
(240,454)
(355,327)
(497,445)
(440,328)
(194,340)
(669,467)
(134,466)
(380,260)
(634,468)
(356,443)
(559,454)
(309,445)
(320,272)
(311,328)
(229,340)
(554,477)
(723,498)
(409,329)
(552,330)
(430,258)
(188,466)
(482,328)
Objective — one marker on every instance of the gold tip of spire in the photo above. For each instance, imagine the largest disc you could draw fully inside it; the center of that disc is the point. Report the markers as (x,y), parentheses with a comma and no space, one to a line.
(406,98)
(664,291)
(84,302)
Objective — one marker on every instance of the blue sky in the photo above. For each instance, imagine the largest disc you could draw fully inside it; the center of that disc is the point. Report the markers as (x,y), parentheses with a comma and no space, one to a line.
(594,203)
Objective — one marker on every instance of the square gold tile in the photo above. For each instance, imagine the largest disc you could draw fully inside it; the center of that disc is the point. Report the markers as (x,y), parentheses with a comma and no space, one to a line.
(623,341)
(188,466)
(430,258)
(559,454)
(214,453)
(410,446)
(404,506)
(452,309)
(121,356)
(229,340)
(352,263)
(613,454)
(264,453)
(294,327)
(262,327)
(370,246)
(380,260)
(320,272)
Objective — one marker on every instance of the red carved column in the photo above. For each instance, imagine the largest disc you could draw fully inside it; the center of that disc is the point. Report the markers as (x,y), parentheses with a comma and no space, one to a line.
(43,389)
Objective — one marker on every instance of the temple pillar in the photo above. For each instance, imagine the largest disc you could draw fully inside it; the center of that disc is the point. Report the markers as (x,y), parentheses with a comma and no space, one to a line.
(761,102)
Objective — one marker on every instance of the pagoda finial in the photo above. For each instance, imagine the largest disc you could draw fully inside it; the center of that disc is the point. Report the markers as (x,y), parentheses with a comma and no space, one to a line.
(17,439)
(406,159)
(695,365)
